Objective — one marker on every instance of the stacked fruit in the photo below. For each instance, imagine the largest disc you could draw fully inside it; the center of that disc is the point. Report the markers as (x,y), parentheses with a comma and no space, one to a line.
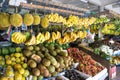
(101,20)
(47,60)
(72,36)
(15,69)
(17,20)
(72,20)
(9,50)
(55,18)
(86,22)
(94,28)
(4,20)
(113,28)
(108,29)
(73,75)
(86,63)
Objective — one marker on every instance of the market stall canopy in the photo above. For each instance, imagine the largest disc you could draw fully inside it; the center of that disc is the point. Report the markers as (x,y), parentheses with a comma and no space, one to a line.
(102,2)
(78,3)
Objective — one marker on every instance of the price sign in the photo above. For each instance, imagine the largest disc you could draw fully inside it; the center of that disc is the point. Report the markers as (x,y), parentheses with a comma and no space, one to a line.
(24,27)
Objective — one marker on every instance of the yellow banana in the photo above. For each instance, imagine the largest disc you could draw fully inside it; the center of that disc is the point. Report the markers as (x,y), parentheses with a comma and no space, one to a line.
(54,35)
(58,35)
(47,35)
(32,41)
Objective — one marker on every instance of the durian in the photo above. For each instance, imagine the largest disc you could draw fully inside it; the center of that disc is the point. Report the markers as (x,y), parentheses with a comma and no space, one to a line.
(36,19)
(16,20)
(28,19)
(4,20)
(44,22)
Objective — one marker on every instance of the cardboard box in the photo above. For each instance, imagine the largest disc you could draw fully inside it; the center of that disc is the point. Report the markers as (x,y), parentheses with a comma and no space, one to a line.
(101,75)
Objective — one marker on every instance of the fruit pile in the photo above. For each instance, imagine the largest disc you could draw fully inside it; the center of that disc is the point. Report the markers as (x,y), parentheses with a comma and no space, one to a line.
(28,19)
(110,29)
(17,20)
(14,66)
(9,50)
(86,63)
(101,20)
(29,39)
(94,28)
(73,75)
(47,60)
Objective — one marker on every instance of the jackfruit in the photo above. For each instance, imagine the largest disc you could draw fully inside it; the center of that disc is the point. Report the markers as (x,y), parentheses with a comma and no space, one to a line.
(44,22)
(4,20)
(16,20)
(36,19)
(28,19)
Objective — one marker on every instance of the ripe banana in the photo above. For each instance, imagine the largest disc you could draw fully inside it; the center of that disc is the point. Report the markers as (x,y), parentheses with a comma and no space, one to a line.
(18,38)
(58,35)
(40,38)
(54,36)
(47,35)
(32,41)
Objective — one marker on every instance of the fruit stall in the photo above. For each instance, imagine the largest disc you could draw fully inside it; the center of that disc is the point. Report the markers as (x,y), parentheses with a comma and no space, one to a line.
(47,40)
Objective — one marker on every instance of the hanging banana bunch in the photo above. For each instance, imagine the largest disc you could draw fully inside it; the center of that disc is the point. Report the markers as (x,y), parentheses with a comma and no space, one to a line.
(18,38)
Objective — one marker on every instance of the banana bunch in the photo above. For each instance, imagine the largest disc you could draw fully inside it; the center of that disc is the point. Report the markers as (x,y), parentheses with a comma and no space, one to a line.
(54,36)
(32,41)
(40,38)
(68,37)
(73,37)
(55,18)
(72,20)
(86,22)
(108,29)
(58,35)
(47,35)
(94,28)
(18,38)
(61,41)
(82,34)
(92,20)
